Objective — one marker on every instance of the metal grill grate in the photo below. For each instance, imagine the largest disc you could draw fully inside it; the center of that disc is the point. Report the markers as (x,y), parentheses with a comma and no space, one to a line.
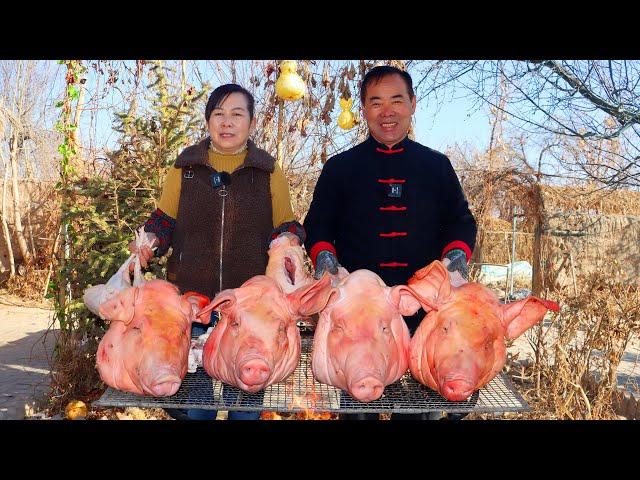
(300,392)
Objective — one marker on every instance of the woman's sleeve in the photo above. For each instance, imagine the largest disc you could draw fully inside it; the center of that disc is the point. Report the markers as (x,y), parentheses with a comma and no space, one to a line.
(280,198)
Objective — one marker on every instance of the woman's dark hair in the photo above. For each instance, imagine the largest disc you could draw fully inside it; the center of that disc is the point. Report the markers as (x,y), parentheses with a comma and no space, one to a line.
(220,94)
(377,73)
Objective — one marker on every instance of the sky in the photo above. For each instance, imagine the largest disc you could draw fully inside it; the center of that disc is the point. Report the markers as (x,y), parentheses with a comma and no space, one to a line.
(439,123)
(455,121)
(438,126)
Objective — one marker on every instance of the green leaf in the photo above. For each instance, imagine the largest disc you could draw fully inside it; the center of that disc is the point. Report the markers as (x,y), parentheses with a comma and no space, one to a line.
(73,92)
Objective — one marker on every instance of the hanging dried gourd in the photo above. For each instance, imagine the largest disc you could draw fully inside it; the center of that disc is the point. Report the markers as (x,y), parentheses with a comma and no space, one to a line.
(289,85)
(346,119)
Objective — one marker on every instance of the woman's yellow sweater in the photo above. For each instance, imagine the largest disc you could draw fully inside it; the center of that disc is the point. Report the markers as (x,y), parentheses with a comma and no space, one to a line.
(280,197)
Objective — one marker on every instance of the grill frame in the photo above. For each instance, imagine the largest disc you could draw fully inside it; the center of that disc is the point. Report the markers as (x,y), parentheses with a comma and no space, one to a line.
(301,392)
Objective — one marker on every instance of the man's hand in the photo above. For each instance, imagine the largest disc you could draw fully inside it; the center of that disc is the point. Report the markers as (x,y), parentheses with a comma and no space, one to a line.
(145,252)
(291,228)
(326,262)
(455,262)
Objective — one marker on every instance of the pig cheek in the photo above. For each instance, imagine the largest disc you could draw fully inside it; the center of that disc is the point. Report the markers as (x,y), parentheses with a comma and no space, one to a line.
(283,342)
(494,359)
(229,342)
(387,336)
(339,346)
(442,352)
(335,339)
(132,343)
(106,364)
(285,349)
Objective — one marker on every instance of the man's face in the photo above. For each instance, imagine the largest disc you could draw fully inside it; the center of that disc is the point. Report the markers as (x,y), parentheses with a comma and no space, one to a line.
(388,109)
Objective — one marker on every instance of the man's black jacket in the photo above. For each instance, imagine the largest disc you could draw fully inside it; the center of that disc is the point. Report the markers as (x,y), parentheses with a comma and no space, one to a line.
(389,210)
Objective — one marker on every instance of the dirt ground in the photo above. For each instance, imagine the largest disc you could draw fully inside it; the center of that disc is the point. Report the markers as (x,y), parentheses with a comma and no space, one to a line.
(26,347)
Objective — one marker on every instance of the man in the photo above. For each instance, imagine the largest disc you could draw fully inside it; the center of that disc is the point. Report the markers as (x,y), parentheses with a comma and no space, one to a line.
(389,204)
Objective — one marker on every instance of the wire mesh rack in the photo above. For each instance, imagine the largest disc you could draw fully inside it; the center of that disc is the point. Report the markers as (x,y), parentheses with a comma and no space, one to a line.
(301,392)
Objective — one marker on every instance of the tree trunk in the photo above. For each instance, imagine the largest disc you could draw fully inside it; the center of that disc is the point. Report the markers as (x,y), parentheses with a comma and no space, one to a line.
(17,214)
(52,260)
(5,228)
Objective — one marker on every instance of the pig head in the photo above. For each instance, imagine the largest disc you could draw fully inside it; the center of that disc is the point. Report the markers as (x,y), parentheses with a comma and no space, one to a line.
(256,342)
(286,263)
(459,346)
(361,343)
(146,348)
(98,294)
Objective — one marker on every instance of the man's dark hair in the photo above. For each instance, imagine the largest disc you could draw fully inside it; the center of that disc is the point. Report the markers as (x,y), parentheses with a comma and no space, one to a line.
(377,73)
(220,94)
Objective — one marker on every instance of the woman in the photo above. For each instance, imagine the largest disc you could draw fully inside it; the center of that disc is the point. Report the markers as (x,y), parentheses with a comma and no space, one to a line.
(221,204)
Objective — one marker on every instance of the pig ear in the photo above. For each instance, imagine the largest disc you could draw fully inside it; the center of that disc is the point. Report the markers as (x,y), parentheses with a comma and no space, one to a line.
(310,299)
(197,301)
(225,299)
(405,299)
(431,283)
(120,308)
(519,316)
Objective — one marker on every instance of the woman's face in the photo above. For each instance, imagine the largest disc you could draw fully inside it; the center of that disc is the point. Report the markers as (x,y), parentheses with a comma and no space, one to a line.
(229,124)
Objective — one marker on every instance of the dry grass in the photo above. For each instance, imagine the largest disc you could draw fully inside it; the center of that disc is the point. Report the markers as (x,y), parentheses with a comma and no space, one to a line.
(75,376)
(589,199)
(30,285)
(574,373)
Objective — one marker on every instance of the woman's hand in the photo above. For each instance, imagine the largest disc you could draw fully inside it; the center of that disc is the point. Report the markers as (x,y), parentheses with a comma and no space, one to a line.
(145,252)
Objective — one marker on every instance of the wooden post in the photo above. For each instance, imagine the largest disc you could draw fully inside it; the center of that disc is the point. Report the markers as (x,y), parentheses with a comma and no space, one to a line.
(573,274)
(536,280)
(513,252)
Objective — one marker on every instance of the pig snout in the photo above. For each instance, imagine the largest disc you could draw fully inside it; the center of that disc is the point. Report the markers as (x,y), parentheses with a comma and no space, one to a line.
(365,377)
(367,389)
(457,390)
(165,385)
(160,373)
(458,378)
(254,372)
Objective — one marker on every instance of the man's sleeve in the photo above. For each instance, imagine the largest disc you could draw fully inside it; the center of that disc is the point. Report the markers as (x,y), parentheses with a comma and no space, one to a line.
(459,227)
(322,217)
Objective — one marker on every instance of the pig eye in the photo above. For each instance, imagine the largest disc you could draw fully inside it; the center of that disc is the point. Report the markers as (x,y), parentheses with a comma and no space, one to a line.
(234,323)
(385,329)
